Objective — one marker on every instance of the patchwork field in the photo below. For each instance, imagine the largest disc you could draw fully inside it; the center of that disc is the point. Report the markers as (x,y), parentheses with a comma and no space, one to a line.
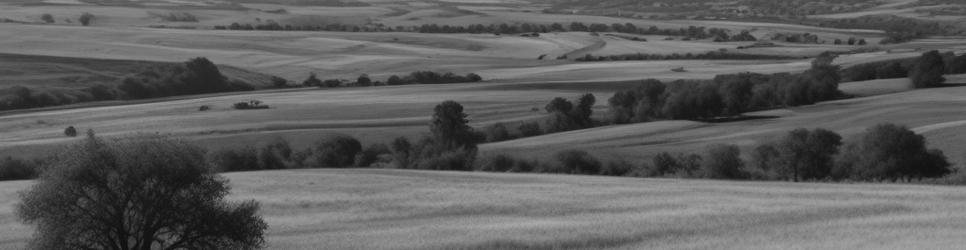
(394,209)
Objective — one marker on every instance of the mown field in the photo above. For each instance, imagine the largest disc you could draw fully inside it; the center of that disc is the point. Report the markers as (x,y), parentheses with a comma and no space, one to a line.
(395,209)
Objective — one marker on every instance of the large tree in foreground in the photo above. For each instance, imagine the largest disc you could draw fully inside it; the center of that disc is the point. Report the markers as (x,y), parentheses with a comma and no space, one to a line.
(145,192)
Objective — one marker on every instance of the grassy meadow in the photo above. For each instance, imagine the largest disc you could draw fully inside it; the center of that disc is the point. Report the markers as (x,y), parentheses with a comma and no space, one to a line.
(395,209)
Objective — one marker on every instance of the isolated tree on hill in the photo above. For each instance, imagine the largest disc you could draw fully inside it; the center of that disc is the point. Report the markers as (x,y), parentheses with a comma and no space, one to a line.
(450,128)
(928,72)
(312,80)
(47,18)
(146,192)
(86,19)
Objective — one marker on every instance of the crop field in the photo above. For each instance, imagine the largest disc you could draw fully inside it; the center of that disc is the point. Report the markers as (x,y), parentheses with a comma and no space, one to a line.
(395,209)
(522,72)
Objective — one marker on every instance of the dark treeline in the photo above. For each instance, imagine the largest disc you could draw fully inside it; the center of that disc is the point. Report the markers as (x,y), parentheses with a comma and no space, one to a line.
(898,29)
(691,32)
(562,115)
(417,77)
(196,76)
(925,71)
(710,55)
(726,95)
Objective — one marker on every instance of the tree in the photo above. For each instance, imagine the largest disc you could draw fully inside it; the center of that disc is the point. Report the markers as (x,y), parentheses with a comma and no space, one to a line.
(146,192)
(203,76)
(584,110)
(450,128)
(723,162)
(312,80)
(578,162)
(47,18)
(957,65)
(401,148)
(889,152)
(559,104)
(928,72)
(663,164)
(70,131)
(337,151)
(86,19)
(805,154)
(364,80)
(395,80)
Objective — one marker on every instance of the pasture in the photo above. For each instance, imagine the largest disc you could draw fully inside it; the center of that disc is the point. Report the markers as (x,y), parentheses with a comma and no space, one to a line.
(395,209)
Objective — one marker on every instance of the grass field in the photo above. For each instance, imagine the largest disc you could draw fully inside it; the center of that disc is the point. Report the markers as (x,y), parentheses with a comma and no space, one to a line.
(394,209)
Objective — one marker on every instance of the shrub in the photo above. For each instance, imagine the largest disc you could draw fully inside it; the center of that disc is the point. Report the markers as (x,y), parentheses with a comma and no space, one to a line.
(578,162)
(372,154)
(86,19)
(928,72)
(618,168)
(337,151)
(47,18)
(140,193)
(497,133)
(70,131)
(236,159)
(663,164)
(363,80)
(723,162)
(497,163)
(889,152)
(459,160)
(395,80)
(529,129)
(401,148)
(253,104)
(17,169)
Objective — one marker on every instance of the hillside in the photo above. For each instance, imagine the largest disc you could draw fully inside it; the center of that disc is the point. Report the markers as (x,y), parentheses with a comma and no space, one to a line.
(72,73)
(395,209)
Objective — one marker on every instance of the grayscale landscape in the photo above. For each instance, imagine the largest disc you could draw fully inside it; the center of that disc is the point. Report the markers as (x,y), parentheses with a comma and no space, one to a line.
(482,124)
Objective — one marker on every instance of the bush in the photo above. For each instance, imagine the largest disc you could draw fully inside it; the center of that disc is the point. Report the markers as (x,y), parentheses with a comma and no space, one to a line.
(47,18)
(253,104)
(723,162)
(618,168)
(337,151)
(578,162)
(458,160)
(372,155)
(17,169)
(86,19)
(497,133)
(401,148)
(889,152)
(529,129)
(928,72)
(141,193)
(70,131)
(235,160)
(497,163)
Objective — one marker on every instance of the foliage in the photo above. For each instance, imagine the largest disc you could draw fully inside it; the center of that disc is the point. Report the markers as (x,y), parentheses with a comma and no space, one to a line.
(18,169)
(928,71)
(336,151)
(70,131)
(723,162)
(86,19)
(889,152)
(578,162)
(148,192)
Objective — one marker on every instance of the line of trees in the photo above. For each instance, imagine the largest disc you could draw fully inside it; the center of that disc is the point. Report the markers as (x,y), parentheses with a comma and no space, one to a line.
(726,95)
(196,76)
(710,55)
(692,32)
(924,71)
(417,77)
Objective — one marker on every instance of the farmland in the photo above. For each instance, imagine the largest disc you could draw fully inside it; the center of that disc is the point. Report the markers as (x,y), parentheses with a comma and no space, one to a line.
(522,72)
(383,209)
